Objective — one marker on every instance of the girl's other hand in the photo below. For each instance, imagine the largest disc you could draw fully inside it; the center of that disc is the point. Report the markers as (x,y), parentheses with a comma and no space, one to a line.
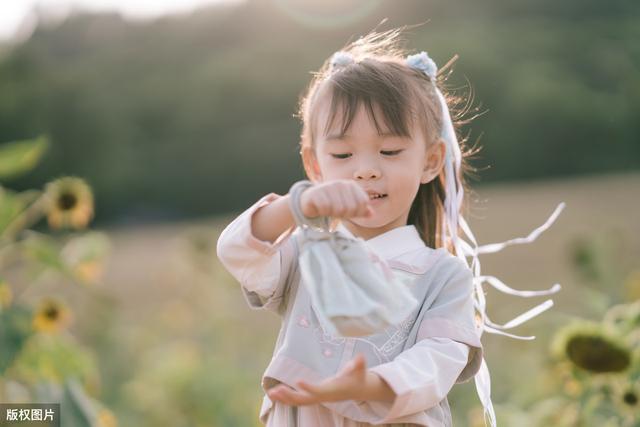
(342,198)
(349,383)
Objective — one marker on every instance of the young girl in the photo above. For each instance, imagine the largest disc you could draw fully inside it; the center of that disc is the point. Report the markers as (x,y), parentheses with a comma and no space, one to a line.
(379,146)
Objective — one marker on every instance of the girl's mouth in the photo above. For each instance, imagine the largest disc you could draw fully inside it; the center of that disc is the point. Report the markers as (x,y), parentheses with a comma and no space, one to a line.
(377,196)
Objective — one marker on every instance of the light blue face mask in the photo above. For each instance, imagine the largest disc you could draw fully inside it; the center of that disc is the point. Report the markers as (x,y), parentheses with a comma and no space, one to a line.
(455,227)
(349,297)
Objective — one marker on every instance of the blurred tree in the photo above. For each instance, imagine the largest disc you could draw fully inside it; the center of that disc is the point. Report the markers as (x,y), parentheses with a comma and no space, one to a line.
(162,118)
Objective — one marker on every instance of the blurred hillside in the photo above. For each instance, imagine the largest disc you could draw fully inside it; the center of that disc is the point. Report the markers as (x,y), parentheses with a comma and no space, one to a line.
(192,115)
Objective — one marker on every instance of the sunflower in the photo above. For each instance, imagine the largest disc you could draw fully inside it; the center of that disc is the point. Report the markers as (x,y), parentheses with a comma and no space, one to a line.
(105,418)
(51,316)
(630,398)
(592,347)
(68,203)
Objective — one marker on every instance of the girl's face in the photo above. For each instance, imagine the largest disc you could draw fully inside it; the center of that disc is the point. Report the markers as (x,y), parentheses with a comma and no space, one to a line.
(386,164)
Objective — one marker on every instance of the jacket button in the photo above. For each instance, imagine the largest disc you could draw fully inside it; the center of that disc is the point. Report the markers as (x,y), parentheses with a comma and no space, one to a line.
(303,322)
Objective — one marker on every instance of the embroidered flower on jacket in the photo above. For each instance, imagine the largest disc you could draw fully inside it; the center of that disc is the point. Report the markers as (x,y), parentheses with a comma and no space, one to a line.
(302,321)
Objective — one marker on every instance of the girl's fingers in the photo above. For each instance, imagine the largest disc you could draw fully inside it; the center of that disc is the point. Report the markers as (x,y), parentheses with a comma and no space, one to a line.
(347,202)
(341,200)
(345,192)
(338,204)
(365,204)
(359,362)
(361,199)
(322,203)
(328,391)
(355,364)
(289,396)
(307,202)
(315,389)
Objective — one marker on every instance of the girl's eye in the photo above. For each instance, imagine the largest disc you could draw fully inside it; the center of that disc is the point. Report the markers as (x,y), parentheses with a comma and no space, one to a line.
(391,153)
(341,156)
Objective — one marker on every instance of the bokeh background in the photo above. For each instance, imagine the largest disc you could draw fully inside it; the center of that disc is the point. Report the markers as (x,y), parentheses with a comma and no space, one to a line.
(180,118)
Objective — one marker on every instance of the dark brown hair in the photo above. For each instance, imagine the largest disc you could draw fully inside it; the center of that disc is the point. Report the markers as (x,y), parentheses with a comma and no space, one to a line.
(405,96)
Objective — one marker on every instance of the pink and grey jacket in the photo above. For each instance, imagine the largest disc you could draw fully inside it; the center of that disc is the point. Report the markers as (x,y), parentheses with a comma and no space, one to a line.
(422,358)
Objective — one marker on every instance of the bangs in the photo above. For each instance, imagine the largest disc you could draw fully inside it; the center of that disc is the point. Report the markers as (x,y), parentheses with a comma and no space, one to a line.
(354,88)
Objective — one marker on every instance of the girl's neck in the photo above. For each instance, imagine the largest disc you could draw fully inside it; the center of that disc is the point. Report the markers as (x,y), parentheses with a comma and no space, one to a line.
(367,233)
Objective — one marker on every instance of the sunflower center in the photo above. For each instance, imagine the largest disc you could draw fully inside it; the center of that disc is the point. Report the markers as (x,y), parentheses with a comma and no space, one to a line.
(630,398)
(597,354)
(67,201)
(51,312)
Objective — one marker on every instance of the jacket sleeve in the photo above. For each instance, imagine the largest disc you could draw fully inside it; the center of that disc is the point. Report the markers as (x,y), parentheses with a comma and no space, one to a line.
(261,267)
(421,377)
(453,315)
(447,351)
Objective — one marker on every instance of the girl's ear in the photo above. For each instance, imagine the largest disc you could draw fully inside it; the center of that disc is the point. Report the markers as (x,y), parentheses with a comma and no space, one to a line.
(310,163)
(433,161)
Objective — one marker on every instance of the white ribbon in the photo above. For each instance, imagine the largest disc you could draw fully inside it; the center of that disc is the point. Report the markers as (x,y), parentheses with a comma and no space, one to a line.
(454,219)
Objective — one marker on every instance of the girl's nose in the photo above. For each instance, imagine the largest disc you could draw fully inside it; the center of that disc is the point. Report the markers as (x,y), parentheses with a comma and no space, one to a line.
(367,173)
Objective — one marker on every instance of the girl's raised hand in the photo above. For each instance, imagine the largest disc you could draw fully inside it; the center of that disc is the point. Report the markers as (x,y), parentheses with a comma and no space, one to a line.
(342,198)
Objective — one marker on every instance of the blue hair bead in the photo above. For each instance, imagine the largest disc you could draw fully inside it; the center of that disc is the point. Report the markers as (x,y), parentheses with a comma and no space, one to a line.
(341,59)
(423,62)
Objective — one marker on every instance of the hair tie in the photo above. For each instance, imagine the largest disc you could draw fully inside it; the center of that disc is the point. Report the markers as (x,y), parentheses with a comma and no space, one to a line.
(341,59)
(423,62)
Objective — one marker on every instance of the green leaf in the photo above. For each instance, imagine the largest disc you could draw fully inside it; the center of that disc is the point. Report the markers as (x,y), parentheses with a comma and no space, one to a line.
(52,357)
(10,207)
(12,204)
(15,329)
(18,157)
(44,250)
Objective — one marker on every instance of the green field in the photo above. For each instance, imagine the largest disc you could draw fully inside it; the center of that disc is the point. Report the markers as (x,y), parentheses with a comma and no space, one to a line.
(175,340)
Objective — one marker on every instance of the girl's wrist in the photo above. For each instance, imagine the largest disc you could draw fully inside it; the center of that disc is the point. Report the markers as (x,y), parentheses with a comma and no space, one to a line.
(296,192)
(375,388)
(304,208)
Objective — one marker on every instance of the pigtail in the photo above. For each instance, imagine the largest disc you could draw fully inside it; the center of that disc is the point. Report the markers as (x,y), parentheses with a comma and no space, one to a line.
(427,211)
